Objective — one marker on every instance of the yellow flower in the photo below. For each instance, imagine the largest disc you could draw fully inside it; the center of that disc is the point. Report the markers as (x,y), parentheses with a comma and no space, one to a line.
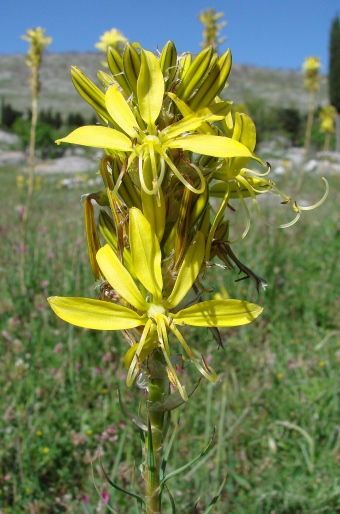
(149,307)
(39,433)
(137,134)
(45,450)
(233,180)
(311,67)
(327,118)
(112,38)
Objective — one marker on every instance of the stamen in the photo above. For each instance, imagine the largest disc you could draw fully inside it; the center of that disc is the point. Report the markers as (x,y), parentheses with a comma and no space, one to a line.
(310,207)
(210,375)
(179,175)
(257,173)
(133,371)
(246,210)
(257,209)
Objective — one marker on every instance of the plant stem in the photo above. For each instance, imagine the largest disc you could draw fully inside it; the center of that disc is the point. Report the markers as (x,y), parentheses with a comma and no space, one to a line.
(309,122)
(158,390)
(34,84)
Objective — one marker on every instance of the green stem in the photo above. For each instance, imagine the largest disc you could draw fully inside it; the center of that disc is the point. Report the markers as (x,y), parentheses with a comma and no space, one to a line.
(158,390)
(309,122)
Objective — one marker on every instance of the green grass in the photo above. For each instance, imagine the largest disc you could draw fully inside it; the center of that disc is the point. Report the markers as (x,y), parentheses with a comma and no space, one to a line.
(275,404)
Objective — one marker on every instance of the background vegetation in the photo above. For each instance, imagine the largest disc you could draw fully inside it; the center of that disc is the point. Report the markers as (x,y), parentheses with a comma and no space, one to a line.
(275,406)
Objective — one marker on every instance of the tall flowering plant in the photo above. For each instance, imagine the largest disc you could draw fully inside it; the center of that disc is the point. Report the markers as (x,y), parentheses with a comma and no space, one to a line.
(170,146)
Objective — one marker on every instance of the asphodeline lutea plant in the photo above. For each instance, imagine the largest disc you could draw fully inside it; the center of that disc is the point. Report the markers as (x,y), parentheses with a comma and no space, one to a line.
(152,309)
(327,117)
(111,38)
(311,69)
(170,145)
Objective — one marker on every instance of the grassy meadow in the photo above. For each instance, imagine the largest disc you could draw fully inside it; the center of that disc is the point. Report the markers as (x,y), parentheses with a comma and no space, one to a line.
(275,406)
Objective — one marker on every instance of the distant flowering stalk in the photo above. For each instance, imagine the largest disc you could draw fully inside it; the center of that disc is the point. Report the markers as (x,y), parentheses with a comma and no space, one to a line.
(171,145)
(311,69)
(212,28)
(37,44)
(111,38)
(327,123)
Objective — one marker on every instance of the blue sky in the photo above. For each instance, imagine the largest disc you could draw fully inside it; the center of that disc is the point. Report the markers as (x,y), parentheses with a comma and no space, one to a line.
(269,33)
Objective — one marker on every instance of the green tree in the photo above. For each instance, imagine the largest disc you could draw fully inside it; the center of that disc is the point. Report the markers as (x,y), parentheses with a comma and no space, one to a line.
(334,73)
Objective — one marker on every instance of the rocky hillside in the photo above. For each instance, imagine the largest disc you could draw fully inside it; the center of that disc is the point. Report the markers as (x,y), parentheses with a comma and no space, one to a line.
(275,86)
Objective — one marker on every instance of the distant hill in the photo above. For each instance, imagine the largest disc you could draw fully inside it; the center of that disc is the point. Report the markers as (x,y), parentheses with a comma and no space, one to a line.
(277,87)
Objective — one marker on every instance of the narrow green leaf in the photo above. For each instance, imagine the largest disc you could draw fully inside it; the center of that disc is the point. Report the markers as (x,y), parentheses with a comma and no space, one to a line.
(168,450)
(137,420)
(172,501)
(146,254)
(150,89)
(173,401)
(218,313)
(100,495)
(188,271)
(119,278)
(150,456)
(95,314)
(121,489)
(98,137)
(186,466)
(216,497)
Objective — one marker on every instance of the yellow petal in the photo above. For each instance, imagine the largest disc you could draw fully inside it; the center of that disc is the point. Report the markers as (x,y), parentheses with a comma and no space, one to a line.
(98,137)
(95,314)
(146,254)
(216,146)
(119,278)
(150,88)
(120,111)
(218,313)
(188,272)
(150,344)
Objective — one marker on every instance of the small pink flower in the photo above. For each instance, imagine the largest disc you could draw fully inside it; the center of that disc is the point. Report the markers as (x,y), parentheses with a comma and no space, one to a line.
(51,255)
(6,335)
(106,496)
(98,370)
(85,498)
(53,371)
(7,477)
(44,283)
(106,357)
(58,347)
(291,364)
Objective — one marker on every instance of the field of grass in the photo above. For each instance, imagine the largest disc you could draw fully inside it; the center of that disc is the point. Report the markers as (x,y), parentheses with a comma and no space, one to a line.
(275,406)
